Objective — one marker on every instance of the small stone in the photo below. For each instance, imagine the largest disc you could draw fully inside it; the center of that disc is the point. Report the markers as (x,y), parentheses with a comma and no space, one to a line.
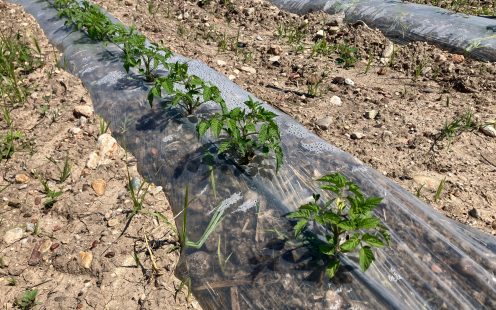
(259,38)
(371,114)
(274,50)
(320,34)
(441,58)
(113,222)
(85,259)
(335,100)
(457,59)
(474,213)
(221,63)
(35,257)
(21,178)
(75,131)
(249,69)
(99,186)
(83,110)
(45,246)
(382,71)
(129,261)
(13,235)
(388,50)
(488,130)
(231,77)
(493,224)
(37,200)
(436,269)
(93,160)
(30,227)
(349,82)
(128,3)
(82,121)
(325,122)
(274,59)
(333,29)
(357,135)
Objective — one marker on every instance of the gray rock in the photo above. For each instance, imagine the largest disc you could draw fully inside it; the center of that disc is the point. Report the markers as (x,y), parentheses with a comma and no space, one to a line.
(325,122)
(335,100)
(349,82)
(249,69)
(474,213)
(357,135)
(371,114)
(488,130)
(83,110)
(13,235)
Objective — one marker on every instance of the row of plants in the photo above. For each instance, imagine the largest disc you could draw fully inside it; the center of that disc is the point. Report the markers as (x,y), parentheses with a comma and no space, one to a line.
(242,133)
(334,227)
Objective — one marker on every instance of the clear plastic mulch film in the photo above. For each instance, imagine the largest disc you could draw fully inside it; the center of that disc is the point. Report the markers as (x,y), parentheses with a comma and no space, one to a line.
(405,21)
(433,262)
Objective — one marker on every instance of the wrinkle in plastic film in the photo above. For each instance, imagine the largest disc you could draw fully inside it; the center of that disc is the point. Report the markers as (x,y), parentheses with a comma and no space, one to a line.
(433,262)
(406,21)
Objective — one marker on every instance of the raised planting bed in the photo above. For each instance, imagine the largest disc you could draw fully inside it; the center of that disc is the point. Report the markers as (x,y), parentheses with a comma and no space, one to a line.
(238,249)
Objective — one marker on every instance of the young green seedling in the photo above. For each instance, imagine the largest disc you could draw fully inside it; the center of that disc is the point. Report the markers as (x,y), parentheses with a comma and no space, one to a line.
(27,300)
(347,222)
(187,91)
(241,137)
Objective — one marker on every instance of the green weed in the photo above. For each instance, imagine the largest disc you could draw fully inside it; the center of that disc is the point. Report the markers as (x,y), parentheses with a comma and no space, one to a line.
(8,140)
(322,48)
(52,195)
(27,300)
(103,126)
(439,190)
(347,55)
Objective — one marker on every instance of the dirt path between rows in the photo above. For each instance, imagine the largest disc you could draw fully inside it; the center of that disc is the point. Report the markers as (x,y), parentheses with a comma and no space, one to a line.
(388,107)
(71,251)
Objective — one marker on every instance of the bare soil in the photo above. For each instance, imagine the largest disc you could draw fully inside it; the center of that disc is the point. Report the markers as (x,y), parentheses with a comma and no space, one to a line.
(392,112)
(77,253)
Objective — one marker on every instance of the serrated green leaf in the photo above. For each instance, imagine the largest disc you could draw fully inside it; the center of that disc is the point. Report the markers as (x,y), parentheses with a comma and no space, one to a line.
(368,223)
(300,226)
(312,207)
(346,225)
(372,240)
(331,217)
(224,147)
(350,244)
(332,268)
(327,249)
(299,214)
(202,128)
(216,126)
(366,258)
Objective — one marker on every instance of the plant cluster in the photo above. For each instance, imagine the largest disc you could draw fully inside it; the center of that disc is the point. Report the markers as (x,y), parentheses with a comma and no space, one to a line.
(17,59)
(8,140)
(242,136)
(340,225)
(27,300)
(187,92)
(136,52)
(458,125)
